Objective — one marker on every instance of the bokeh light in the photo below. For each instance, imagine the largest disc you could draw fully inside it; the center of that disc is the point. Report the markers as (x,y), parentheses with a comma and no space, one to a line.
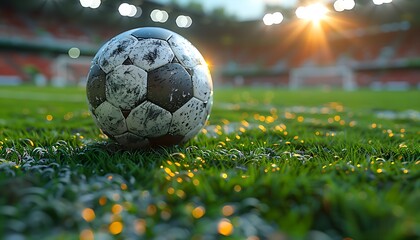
(88,214)
(183,21)
(117,209)
(225,227)
(90,3)
(86,234)
(139,226)
(116,228)
(300,12)
(74,52)
(124,9)
(341,5)
(380,2)
(159,16)
(138,12)
(228,210)
(273,18)
(198,212)
(129,10)
(95,4)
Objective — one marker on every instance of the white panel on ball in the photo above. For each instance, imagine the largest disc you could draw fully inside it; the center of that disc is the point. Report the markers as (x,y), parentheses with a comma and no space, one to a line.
(193,132)
(100,52)
(202,83)
(110,118)
(116,52)
(187,117)
(150,54)
(209,105)
(149,120)
(126,86)
(185,52)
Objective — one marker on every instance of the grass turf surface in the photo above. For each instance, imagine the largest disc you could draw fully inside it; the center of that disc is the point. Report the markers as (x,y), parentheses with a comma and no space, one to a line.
(271,164)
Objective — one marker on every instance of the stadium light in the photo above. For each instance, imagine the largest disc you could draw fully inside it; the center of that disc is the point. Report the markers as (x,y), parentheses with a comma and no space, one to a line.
(301,12)
(133,11)
(380,2)
(95,4)
(314,12)
(124,9)
(183,21)
(138,12)
(349,4)
(268,19)
(159,16)
(273,18)
(90,3)
(341,5)
(129,10)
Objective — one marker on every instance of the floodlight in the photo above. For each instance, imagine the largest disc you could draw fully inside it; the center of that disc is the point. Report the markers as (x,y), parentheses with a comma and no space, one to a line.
(268,19)
(124,9)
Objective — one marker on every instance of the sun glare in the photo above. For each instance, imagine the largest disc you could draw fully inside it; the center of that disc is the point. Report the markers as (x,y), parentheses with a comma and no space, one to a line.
(314,12)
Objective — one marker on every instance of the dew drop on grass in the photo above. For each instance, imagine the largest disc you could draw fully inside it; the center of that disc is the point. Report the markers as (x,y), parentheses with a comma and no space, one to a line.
(86,234)
(88,214)
(198,212)
(178,155)
(228,210)
(225,227)
(115,228)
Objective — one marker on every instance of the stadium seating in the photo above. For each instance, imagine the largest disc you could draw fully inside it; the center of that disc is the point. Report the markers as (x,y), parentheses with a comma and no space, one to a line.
(266,59)
(39,64)
(6,68)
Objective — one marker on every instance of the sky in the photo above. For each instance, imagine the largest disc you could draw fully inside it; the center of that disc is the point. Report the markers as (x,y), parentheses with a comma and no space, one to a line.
(243,9)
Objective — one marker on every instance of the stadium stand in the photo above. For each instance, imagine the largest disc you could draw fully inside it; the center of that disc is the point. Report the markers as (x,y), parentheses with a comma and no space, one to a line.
(381,53)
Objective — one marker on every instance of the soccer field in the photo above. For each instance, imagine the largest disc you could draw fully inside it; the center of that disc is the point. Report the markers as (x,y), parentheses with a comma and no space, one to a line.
(270,164)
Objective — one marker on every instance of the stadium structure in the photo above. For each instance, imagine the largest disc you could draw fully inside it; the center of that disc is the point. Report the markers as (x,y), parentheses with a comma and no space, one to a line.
(371,43)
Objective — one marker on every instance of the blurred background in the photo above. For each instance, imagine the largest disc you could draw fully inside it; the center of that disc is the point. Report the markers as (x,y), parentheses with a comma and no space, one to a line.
(345,44)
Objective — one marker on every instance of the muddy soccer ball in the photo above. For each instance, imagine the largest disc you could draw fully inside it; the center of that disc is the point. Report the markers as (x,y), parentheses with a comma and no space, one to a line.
(149,87)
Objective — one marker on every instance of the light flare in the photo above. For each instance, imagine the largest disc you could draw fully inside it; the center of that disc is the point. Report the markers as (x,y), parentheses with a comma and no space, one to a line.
(314,12)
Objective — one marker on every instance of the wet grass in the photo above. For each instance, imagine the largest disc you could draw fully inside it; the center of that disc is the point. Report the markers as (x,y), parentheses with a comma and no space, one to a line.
(271,164)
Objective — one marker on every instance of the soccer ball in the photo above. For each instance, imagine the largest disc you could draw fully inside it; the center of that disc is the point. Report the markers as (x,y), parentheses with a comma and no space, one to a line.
(149,87)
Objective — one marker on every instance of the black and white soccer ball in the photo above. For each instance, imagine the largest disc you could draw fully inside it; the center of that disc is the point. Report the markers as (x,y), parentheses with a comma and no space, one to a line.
(149,87)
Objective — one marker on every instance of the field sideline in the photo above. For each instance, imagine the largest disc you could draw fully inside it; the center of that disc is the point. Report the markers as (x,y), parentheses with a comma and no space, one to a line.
(271,164)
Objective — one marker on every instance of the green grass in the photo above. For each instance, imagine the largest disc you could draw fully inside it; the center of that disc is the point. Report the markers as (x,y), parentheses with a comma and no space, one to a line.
(272,163)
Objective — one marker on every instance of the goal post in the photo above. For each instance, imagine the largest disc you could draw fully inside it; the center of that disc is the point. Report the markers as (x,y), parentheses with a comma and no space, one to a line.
(330,76)
(70,71)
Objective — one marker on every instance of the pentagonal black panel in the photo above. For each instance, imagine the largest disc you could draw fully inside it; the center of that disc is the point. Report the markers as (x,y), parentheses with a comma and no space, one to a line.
(95,87)
(169,86)
(152,32)
(165,140)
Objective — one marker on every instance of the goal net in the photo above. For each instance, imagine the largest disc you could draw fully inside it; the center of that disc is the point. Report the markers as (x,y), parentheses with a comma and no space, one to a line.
(70,71)
(331,77)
